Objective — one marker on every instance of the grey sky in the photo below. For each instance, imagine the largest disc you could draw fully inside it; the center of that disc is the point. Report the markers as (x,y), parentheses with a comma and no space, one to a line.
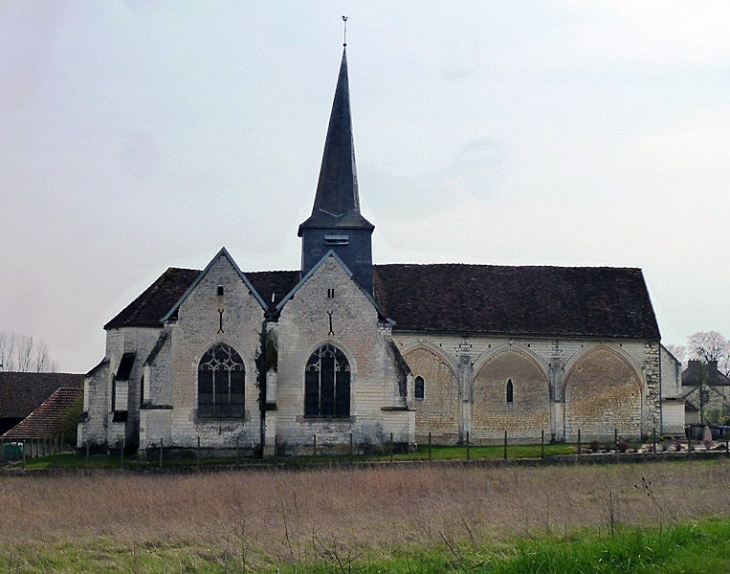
(141,135)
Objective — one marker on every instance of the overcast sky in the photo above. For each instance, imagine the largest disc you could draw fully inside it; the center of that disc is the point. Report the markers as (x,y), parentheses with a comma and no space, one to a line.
(139,135)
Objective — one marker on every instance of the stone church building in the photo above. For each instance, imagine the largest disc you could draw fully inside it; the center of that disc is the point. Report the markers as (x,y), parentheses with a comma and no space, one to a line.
(345,352)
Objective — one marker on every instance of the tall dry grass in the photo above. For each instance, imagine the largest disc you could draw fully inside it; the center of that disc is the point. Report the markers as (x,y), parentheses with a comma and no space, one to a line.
(282,516)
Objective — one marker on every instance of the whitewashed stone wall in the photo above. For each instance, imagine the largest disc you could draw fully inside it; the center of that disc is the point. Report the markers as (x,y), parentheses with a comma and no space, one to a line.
(376,408)
(196,330)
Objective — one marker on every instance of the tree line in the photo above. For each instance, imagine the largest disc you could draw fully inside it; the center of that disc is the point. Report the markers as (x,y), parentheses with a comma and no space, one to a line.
(705,346)
(23,353)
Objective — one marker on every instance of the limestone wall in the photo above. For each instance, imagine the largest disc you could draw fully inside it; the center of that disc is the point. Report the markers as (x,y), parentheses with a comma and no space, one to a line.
(329,308)
(198,328)
(558,386)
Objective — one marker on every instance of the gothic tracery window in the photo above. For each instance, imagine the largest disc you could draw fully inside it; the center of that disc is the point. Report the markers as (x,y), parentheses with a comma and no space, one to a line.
(327,384)
(221,379)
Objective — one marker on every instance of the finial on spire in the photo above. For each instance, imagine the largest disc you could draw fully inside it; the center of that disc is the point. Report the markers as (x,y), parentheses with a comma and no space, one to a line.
(344,31)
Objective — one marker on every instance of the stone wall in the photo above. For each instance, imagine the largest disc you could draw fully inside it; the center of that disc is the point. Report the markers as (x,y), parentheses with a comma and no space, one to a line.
(329,308)
(439,412)
(558,387)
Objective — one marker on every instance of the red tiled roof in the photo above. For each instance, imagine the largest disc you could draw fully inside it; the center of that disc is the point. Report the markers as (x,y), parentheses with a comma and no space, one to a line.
(46,420)
(21,393)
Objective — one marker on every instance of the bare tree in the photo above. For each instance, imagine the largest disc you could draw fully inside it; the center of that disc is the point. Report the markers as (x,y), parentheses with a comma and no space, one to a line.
(42,360)
(22,353)
(7,350)
(710,346)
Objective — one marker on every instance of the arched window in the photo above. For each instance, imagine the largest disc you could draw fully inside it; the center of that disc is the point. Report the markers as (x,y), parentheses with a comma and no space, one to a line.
(221,378)
(419,390)
(510,392)
(327,384)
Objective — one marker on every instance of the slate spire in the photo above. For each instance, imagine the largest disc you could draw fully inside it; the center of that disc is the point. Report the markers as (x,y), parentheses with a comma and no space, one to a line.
(336,222)
(337,203)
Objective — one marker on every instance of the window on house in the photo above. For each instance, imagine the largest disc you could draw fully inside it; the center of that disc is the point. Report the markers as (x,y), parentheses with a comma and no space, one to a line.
(419,390)
(221,379)
(327,384)
(510,392)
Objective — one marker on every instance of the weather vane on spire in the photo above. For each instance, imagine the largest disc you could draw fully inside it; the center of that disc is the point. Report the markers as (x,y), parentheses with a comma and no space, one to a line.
(344,32)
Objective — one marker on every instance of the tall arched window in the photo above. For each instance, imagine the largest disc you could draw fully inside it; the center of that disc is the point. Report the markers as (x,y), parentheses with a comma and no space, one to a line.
(221,378)
(510,392)
(327,384)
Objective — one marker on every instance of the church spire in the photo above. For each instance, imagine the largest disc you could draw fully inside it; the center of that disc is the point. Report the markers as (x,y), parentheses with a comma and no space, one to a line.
(337,203)
(336,222)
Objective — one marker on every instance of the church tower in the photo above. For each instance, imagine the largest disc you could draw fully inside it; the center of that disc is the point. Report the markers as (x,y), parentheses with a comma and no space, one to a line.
(336,222)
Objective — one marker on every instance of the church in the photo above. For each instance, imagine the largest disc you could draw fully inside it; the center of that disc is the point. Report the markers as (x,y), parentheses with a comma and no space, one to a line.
(344,354)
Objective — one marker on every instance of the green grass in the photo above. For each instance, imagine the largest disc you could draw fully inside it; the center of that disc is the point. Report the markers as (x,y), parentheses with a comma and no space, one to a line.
(690,549)
(103,461)
(702,548)
(485,452)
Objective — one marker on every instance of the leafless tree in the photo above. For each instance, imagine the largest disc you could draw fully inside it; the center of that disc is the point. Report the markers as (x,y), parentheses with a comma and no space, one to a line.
(710,346)
(42,359)
(22,353)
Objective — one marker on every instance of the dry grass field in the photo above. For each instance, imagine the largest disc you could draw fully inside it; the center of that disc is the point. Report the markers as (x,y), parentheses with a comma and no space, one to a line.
(260,518)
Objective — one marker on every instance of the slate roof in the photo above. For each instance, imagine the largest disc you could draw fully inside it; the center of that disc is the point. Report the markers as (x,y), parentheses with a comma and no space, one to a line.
(601,302)
(337,202)
(21,393)
(503,300)
(46,420)
(155,301)
(698,372)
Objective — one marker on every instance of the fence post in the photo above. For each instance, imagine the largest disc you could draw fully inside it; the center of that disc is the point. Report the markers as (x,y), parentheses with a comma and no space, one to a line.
(429,445)
(615,444)
(197,453)
(579,444)
(121,454)
(23,443)
(653,436)
(314,446)
(391,447)
(2,449)
(467,446)
(162,448)
(505,445)
(351,450)
(542,443)
(237,449)
(87,452)
(727,445)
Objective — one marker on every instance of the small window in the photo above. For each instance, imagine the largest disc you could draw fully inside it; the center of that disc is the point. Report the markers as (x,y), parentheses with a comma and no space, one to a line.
(330,293)
(419,390)
(510,392)
(220,290)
